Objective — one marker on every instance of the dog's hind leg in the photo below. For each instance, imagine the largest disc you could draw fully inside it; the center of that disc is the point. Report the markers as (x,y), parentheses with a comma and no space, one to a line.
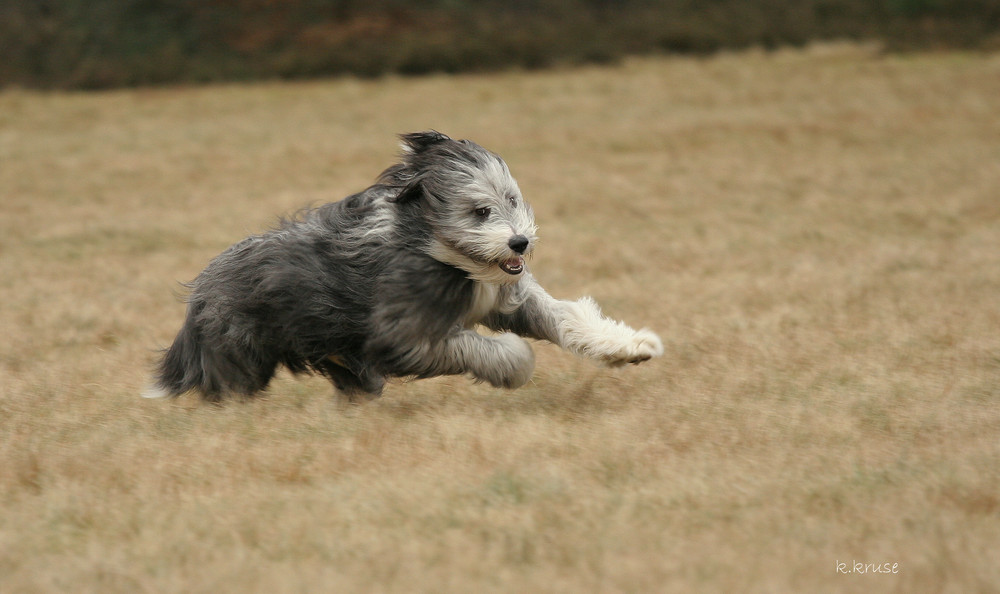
(214,370)
(504,361)
(577,326)
(367,384)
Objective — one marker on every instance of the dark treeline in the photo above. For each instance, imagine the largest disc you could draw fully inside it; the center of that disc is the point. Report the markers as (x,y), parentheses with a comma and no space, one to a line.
(89,44)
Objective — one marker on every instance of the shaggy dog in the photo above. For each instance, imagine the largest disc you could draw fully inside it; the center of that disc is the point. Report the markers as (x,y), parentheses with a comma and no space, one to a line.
(390,282)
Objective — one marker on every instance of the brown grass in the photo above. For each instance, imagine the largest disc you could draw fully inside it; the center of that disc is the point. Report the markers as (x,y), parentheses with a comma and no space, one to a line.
(816,236)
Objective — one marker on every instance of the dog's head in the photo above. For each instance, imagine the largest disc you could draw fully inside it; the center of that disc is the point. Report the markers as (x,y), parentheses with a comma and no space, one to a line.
(479,221)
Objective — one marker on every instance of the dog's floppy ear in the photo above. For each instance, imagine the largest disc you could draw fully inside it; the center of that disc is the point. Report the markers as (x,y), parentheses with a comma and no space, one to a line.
(412,191)
(410,173)
(404,177)
(417,142)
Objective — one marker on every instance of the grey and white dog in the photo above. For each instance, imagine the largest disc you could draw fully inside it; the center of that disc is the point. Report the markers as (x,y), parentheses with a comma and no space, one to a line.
(390,282)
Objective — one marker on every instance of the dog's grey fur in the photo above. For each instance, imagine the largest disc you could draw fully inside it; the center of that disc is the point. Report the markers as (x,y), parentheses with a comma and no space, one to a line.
(387,283)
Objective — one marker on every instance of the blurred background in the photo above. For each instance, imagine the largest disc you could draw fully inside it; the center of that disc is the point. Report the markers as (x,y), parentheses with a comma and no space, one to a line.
(94,44)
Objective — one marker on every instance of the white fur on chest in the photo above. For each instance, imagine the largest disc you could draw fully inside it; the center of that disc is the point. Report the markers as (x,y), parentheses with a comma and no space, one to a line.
(484,301)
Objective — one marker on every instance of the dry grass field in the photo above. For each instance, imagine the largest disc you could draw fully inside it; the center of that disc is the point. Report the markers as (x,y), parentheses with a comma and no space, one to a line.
(815,234)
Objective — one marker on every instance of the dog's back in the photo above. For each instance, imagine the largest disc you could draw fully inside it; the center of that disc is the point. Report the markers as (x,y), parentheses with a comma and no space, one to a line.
(299,295)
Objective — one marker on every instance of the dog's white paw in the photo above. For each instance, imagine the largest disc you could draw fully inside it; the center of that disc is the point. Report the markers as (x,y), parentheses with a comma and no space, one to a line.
(641,346)
(583,330)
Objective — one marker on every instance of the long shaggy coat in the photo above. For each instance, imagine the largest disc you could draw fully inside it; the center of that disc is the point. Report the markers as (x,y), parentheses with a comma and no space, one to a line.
(389,282)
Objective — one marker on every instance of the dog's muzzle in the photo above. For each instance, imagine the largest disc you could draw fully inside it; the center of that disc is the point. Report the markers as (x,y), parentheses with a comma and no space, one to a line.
(518,244)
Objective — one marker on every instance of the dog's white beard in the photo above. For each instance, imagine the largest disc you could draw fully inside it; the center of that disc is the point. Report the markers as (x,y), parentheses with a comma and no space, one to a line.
(484,272)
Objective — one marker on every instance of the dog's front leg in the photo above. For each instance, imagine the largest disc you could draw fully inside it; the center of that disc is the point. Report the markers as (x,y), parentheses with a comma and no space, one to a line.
(583,330)
(577,326)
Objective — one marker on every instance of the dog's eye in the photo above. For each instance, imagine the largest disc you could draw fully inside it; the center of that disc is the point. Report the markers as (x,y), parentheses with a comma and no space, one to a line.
(513,201)
(483,212)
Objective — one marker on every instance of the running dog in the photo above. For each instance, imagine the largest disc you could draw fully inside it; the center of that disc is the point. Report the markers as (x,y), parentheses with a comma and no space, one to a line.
(390,282)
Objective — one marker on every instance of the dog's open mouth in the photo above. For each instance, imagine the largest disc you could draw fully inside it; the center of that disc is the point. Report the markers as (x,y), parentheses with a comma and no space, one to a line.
(513,266)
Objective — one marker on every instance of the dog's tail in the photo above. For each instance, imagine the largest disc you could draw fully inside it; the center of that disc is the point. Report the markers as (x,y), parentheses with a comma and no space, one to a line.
(184,366)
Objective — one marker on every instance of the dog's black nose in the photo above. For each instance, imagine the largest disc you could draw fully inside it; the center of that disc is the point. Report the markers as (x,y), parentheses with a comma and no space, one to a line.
(518,243)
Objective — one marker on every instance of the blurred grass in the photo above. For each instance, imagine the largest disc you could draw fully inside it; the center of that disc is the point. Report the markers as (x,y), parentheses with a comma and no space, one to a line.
(98,44)
(814,234)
